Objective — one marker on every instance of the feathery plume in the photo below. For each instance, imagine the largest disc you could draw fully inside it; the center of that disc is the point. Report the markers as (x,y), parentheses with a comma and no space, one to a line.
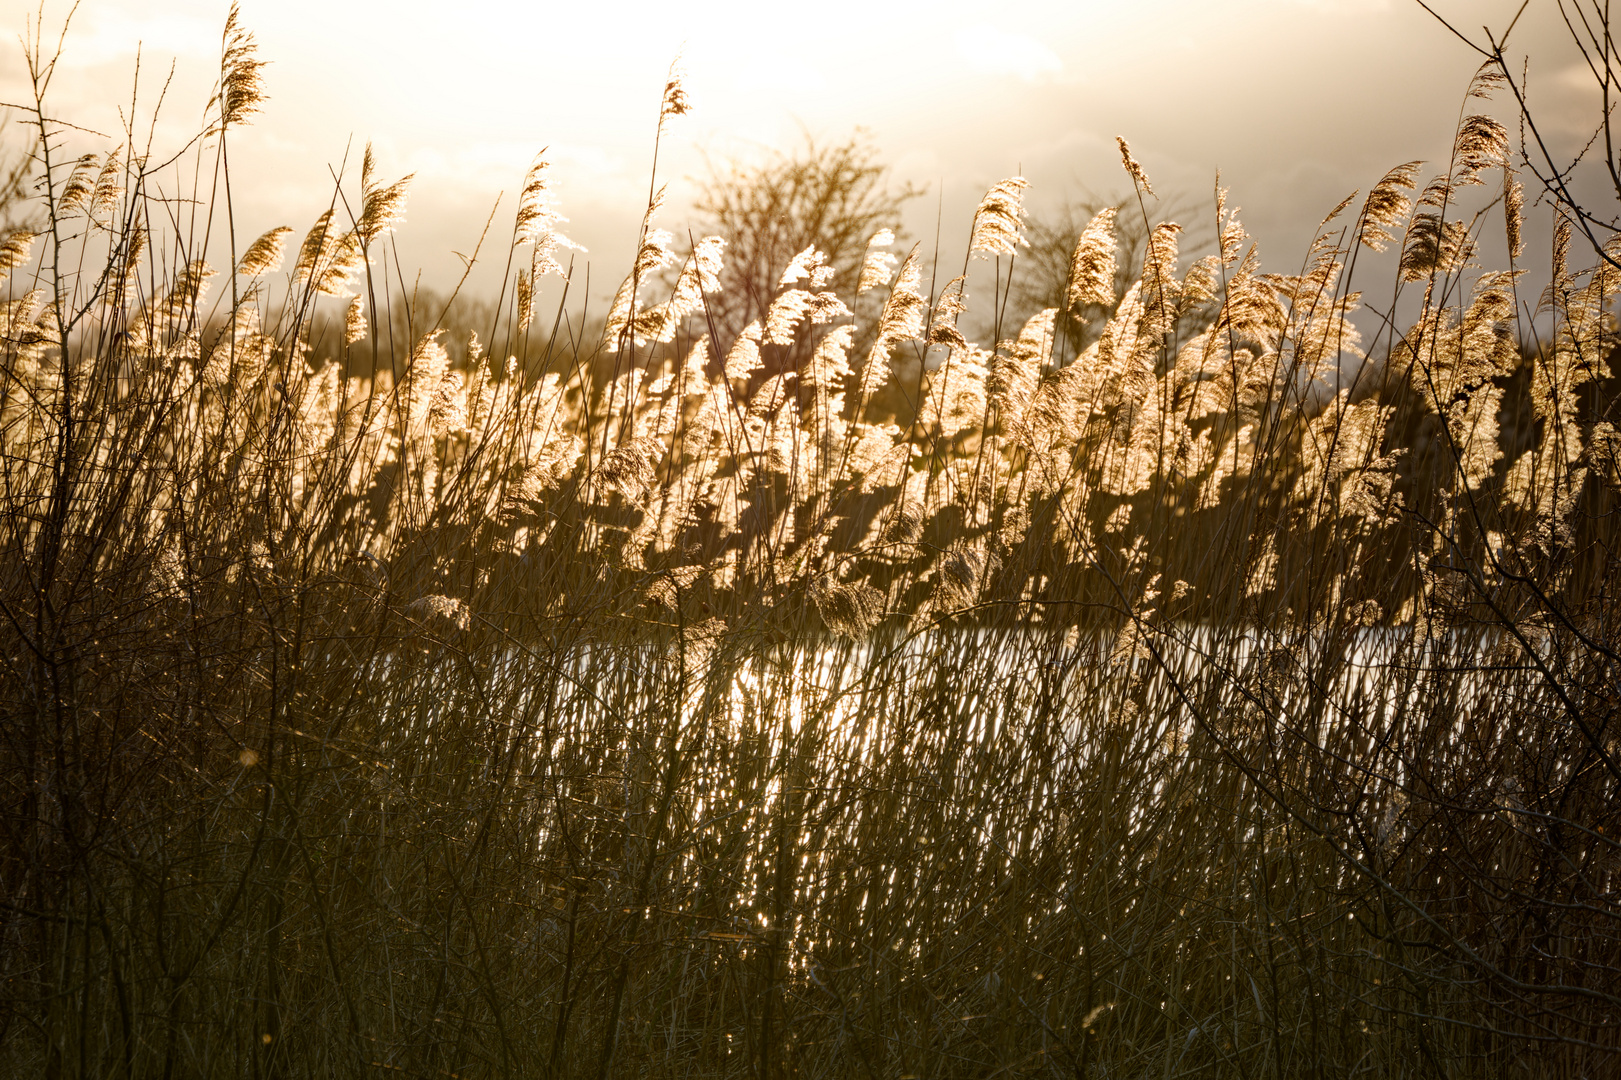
(21,328)
(354,323)
(666,590)
(1131,643)
(654,254)
(550,468)
(961,571)
(1018,365)
(704,266)
(700,274)
(543,258)
(341,260)
(1434,246)
(905,523)
(1556,511)
(382,206)
(75,194)
(631,469)
(956,396)
(1368,495)
(1132,168)
(47,324)
(802,266)
(1562,281)
(535,213)
(17,314)
(265,253)
(427,368)
(953,299)
(1203,280)
(825,307)
(829,363)
(1117,341)
(1263,567)
(903,312)
(1481,143)
(1322,238)
(695,368)
(526,300)
(1232,238)
(1252,309)
(1604,452)
(743,359)
(107,189)
(999,219)
(1486,335)
(1093,266)
(245,357)
(951,303)
(698,641)
(1487,79)
(850,609)
(879,266)
(1513,214)
(241,86)
(1386,205)
(190,285)
(437,389)
(674,102)
(902,319)
(327,259)
(1472,423)
(14,251)
(537,223)
(770,396)
(657,252)
(619,311)
(659,323)
(1161,288)
(787,311)
(873,451)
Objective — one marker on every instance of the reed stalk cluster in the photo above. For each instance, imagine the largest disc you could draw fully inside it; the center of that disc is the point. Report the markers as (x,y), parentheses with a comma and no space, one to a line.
(1236,696)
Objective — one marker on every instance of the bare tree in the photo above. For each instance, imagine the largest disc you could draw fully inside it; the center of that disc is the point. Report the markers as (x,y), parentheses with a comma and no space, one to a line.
(836,197)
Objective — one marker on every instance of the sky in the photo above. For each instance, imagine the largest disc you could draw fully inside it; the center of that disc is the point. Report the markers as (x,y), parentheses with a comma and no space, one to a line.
(1295,102)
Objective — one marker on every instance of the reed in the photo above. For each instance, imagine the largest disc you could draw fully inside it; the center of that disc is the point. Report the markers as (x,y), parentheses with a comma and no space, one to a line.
(1236,697)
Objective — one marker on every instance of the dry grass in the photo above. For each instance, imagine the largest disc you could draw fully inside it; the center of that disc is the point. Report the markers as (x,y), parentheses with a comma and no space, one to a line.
(1208,703)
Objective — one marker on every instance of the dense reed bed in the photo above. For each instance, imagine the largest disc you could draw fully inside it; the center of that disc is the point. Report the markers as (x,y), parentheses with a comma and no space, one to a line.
(1235,696)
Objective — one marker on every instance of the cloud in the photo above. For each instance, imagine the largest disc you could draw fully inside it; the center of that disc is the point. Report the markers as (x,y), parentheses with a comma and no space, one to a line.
(113,35)
(998,52)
